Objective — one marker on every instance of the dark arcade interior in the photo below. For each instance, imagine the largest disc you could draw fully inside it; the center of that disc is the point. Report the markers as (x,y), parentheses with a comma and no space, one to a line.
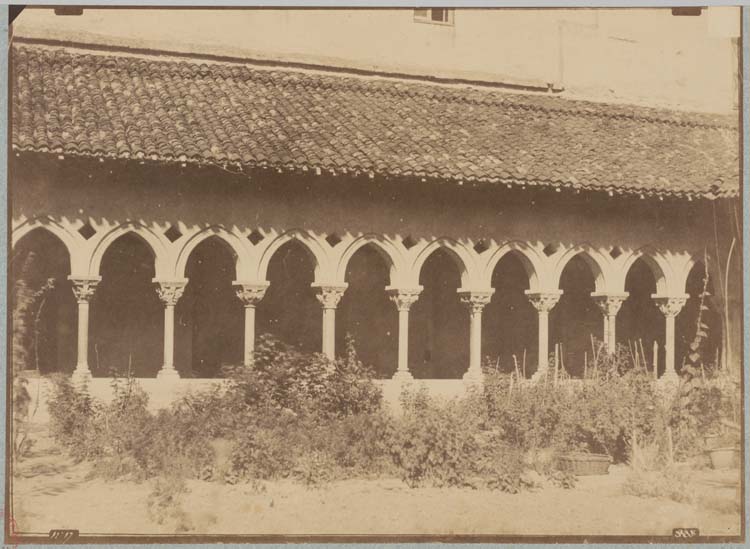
(126,326)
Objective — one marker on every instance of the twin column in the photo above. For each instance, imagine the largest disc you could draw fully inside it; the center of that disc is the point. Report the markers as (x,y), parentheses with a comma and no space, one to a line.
(250,294)
(609,304)
(83,288)
(329,296)
(670,306)
(543,303)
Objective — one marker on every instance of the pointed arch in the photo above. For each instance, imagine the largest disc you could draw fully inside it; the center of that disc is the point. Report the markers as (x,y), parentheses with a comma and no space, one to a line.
(386,249)
(456,251)
(309,244)
(72,244)
(655,262)
(155,244)
(595,261)
(242,255)
(682,265)
(525,253)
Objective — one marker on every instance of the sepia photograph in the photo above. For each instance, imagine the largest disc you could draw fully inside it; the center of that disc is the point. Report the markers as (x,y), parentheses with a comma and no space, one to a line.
(375,274)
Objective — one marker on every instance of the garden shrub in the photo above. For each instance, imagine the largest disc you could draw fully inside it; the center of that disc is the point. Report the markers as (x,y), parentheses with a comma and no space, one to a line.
(282,378)
(164,503)
(72,415)
(434,443)
(601,415)
(671,482)
(499,465)
(304,417)
(361,443)
(263,454)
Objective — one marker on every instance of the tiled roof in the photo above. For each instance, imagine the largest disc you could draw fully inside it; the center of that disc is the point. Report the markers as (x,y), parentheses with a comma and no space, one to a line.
(76,102)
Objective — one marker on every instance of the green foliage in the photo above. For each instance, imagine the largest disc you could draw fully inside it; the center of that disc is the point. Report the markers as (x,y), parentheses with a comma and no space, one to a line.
(434,443)
(283,379)
(72,414)
(601,414)
(123,437)
(164,503)
(313,420)
(671,482)
(21,410)
(707,403)
(562,479)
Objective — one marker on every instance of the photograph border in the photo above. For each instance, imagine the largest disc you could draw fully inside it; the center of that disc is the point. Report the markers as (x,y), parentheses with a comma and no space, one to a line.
(397,540)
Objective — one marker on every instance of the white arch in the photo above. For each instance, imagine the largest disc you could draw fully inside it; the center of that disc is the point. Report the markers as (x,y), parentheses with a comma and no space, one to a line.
(596,262)
(527,255)
(243,256)
(310,244)
(387,250)
(460,255)
(157,246)
(682,265)
(72,244)
(660,269)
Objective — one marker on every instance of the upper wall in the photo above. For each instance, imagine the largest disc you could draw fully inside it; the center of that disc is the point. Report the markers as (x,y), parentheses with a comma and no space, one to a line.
(110,194)
(643,56)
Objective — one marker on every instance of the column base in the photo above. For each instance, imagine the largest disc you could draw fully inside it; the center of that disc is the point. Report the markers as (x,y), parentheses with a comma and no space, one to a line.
(81,376)
(670,376)
(668,384)
(473,377)
(168,372)
(539,374)
(402,376)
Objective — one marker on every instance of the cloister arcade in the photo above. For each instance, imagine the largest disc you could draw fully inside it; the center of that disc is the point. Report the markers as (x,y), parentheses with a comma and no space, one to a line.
(179,301)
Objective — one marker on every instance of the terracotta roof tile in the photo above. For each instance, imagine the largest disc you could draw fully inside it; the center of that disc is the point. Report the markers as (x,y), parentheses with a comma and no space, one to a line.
(101,104)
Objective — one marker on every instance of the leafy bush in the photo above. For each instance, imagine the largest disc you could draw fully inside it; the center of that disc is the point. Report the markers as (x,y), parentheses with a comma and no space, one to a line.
(285,379)
(672,483)
(601,414)
(21,415)
(707,403)
(263,454)
(165,502)
(562,479)
(304,417)
(123,437)
(72,415)
(434,443)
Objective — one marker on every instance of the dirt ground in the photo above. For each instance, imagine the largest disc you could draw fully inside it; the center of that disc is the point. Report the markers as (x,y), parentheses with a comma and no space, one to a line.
(50,491)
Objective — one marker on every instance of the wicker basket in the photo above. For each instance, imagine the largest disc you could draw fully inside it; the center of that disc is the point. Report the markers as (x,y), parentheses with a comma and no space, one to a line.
(581,464)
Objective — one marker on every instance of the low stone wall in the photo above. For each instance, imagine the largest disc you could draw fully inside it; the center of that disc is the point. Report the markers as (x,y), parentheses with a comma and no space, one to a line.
(163,392)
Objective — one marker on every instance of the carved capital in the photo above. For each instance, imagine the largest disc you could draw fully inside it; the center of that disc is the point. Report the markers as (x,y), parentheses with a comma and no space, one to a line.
(609,304)
(170,292)
(404,298)
(329,296)
(670,306)
(84,288)
(250,293)
(544,301)
(476,300)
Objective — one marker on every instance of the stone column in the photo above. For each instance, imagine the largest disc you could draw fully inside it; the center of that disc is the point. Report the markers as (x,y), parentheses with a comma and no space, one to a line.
(610,305)
(404,298)
(543,303)
(169,292)
(670,306)
(329,297)
(476,300)
(83,288)
(250,294)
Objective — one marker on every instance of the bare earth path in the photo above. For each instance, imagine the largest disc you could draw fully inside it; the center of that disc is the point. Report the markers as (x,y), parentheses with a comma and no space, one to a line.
(50,491)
